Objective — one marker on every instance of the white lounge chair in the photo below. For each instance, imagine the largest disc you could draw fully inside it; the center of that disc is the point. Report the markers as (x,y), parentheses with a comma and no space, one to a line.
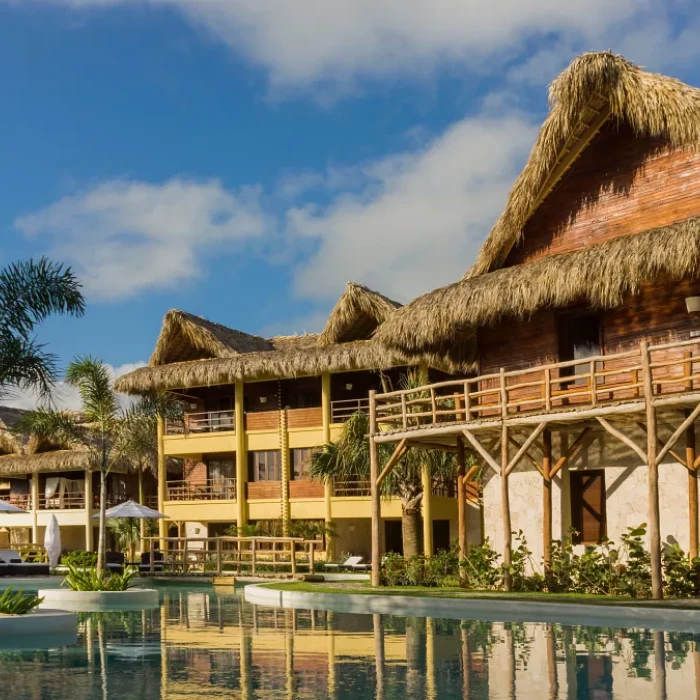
(352,563)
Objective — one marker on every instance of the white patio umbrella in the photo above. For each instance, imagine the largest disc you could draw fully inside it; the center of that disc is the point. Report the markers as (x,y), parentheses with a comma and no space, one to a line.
(131,509)
(6,507)
(52,542)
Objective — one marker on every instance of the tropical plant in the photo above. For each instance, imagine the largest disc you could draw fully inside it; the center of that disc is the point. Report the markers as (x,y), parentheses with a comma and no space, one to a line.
(105,429)
(90,579)
(348,460)
(18,602)
(30,292)
(126,533)
(79,557)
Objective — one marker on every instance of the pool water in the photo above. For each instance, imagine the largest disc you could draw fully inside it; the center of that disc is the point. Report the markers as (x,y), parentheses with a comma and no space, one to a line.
(203,643)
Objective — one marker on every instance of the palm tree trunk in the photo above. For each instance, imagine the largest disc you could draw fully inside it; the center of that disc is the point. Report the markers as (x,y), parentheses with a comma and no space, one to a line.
(411,526)
(102,533)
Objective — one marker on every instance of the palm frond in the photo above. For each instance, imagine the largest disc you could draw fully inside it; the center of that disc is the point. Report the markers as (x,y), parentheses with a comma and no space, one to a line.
(57,426)
(94,383)
(25,364)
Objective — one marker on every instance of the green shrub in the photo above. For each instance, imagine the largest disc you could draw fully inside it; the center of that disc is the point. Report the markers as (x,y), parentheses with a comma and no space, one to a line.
(18,602)
(481,569)
(635,578)
(89,580)
(79,557)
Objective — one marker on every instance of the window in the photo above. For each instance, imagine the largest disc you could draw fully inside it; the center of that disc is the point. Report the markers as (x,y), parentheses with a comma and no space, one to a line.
(264,466)
(219,470)
(588,506)
(578,338)
(301,462)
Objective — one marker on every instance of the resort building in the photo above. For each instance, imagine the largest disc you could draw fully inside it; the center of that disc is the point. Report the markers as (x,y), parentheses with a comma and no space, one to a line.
(47,479)
(580,316)
(256,409)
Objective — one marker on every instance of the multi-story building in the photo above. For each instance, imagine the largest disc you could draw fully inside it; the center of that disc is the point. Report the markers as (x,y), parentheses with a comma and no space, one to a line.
(581,313)
(46,479)
(256,408)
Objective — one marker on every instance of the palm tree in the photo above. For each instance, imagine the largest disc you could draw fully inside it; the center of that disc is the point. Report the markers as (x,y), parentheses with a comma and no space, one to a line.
(348,460)
(29,293)
(107,431)
(127,533)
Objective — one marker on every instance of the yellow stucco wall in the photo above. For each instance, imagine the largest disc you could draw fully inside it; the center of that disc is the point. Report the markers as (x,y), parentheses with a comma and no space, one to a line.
(184,446)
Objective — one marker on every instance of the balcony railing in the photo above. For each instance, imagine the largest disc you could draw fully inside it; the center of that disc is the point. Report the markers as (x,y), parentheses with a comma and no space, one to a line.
(349,489)
(669,370)
(23,502)
(205,422)
(72,501)
(342,409)
(210,490)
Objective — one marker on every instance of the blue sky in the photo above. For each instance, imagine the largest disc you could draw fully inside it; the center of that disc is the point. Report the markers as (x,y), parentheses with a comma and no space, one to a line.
(244,160)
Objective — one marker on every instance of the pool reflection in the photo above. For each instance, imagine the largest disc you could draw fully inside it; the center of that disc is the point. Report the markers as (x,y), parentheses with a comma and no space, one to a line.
(204,644)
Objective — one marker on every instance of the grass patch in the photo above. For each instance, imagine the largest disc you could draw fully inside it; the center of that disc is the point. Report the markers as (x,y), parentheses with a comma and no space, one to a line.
(363,588)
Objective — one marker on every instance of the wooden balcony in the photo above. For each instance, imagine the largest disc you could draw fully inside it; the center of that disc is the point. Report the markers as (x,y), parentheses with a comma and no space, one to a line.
(209,490)
(73,501)
(565,391)
(24,502)
(342,409)
(305,488)
(351,489)
(205,422)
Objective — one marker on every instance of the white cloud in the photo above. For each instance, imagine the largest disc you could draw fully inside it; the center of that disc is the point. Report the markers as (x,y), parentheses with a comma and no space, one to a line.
(63,396)
(124,237)
(334,42)
(420,216)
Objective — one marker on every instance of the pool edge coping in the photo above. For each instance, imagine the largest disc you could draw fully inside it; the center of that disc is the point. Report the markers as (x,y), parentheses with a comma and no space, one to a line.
(497,610)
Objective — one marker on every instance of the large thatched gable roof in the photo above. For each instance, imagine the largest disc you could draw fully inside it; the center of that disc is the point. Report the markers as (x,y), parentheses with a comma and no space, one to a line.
(594,89)
(344,345)
(601,276)
(356,315)
(188,337)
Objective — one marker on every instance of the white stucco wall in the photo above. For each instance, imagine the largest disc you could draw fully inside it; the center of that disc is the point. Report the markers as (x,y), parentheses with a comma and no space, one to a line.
(626,494)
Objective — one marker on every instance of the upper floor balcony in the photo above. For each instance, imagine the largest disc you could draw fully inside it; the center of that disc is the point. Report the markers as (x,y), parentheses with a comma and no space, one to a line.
(68,501)
(668,374)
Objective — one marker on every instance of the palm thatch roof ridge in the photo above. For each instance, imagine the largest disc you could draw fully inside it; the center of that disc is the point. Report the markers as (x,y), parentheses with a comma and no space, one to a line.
(356,315)
(185,336)
(602,276)
(595,88)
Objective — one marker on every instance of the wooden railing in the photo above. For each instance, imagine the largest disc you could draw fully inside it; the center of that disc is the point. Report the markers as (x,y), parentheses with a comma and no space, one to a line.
(205,422)
(240,555)
(24,502)
(342,409)
(210,490)
(73,501)
(672,368)
(347,489)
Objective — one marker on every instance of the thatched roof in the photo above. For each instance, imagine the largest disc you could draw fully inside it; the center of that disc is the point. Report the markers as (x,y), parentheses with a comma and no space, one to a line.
(595,88)
(54,461)
(344,345)
(356,315)
(601,276)
(187,337)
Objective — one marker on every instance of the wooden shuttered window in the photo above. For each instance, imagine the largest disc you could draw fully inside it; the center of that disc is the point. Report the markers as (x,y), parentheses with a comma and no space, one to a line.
(588,506)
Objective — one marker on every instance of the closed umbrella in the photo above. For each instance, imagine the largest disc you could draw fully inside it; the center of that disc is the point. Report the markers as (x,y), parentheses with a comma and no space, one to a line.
(52,542)
(131,509)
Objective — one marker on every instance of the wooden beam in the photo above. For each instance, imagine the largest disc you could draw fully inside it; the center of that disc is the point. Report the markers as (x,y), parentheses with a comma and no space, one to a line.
(576,446)
(660,443)
(547,498)
(482,451)
(505,508)
(462,522)
(431,446)
(623,438)
(399,452)
(693,525)
(374,487)
(689,420)
(657,591)
(526,446)
(528,456)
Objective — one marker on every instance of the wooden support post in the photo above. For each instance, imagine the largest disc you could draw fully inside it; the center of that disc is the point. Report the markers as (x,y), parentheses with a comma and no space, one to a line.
(241,457)
(327,413)
(427,483)
(185,563)
(505,505)
(462,512)
(293,552)
(547,498)
(162,481)
(219,562)
(89,522)
(253,550)
(374,487)
(653,477)
(692,489)
(312,566)
(151,563)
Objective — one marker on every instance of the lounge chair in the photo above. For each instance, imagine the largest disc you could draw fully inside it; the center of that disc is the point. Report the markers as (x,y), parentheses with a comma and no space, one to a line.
(115,562)
(145,564)
(11,564)
(352,563)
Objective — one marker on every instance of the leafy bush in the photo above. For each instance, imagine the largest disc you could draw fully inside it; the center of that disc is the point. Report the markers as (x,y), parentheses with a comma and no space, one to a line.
(18,602)
(481,569)
(79,558)
(89,580)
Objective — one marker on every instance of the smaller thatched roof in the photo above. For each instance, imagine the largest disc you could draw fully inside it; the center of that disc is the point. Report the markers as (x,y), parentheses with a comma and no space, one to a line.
(594,89)
(54,461)
(185,337)
(356,315)
(601,276)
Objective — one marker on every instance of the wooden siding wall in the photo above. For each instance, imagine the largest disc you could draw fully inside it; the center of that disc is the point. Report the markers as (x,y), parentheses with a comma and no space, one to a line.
(268,420)
(305,488)
(264,490)
(194,472)
(304,418)
(620,185)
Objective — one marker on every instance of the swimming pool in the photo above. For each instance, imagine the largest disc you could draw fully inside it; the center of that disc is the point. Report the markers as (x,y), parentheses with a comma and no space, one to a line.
(203,643)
